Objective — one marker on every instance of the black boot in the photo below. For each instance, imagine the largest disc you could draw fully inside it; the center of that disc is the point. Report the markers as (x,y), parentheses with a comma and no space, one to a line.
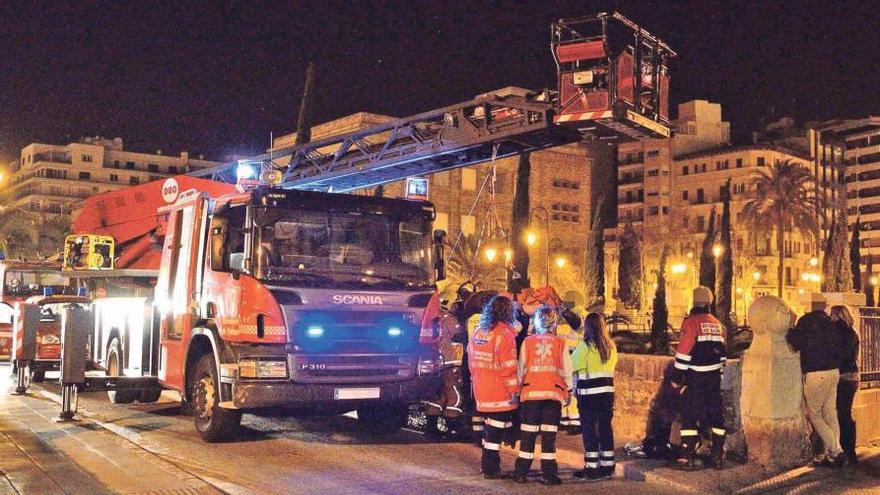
(431,430)
(718,450)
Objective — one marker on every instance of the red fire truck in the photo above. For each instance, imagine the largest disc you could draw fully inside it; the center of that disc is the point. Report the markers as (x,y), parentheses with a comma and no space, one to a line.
(267,298)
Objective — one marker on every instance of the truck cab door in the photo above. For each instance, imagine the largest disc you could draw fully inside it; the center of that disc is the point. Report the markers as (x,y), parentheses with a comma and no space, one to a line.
(178,287)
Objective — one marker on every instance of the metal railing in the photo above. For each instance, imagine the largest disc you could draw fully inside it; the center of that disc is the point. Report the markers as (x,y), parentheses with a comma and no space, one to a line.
(869,344)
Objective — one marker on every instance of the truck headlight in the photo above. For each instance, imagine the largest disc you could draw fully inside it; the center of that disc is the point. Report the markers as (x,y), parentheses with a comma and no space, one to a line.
(262,368)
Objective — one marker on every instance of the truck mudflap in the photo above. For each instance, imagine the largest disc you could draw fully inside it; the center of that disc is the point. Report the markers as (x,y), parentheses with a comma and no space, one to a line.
(266,394)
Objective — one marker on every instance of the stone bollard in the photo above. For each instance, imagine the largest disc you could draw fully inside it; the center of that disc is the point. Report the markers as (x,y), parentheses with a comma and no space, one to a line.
(776,430)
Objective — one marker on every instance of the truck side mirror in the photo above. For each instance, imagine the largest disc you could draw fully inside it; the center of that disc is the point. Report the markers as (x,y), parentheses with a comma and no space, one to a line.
(439,255)
(218,238)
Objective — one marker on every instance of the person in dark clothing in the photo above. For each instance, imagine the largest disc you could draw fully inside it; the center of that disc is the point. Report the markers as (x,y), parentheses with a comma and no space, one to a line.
(820,349)
(848,385)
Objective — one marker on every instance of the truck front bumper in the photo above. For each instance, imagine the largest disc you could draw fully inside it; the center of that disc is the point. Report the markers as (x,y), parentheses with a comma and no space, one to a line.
(287,394)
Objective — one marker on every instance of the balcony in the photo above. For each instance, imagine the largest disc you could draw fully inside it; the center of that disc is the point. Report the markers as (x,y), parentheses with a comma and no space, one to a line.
(53,156)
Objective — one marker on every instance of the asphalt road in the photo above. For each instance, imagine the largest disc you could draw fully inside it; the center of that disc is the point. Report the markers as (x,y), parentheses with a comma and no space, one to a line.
(325,455)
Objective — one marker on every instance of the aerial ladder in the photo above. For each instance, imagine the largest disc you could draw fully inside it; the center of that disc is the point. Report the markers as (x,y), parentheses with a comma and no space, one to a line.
(612,85)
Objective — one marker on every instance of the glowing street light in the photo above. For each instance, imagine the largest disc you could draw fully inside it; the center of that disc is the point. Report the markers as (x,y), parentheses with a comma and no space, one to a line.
(739,290)
(508,255)
(756,276)
(560,262)
(678,268)
(491,254)
(814,261)
(531,238)
(873,280)
(717,249)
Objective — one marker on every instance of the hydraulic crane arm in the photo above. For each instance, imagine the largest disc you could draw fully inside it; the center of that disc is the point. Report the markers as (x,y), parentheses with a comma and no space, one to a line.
(443,139)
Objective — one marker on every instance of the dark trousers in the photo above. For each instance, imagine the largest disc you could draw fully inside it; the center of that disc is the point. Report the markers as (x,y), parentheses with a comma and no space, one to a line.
(596,412)
(538,417)
(702,407)
(846,392)
(495,424)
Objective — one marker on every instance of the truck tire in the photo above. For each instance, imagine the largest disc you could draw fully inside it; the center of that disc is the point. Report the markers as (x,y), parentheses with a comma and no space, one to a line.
(39,376)
(383,419)
(114,368)
(213,423)
(149,396)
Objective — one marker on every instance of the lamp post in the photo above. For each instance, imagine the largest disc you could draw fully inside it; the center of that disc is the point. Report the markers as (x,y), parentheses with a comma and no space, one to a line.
(532,237)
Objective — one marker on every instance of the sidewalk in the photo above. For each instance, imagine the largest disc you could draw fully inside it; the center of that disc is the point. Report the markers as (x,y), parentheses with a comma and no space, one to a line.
(748,479)
(41,456)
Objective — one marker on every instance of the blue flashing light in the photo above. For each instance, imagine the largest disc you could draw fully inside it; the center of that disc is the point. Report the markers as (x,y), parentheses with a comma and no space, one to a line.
(315,331)
(245,171)
(394,332)
(82,291)
(47,291)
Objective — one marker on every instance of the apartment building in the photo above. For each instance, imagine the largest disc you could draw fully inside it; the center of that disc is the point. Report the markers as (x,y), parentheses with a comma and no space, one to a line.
(50,179)
(848,152)
(668,190)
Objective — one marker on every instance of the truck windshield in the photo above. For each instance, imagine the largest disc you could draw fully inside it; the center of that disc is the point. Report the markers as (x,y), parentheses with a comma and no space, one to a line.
(339,249)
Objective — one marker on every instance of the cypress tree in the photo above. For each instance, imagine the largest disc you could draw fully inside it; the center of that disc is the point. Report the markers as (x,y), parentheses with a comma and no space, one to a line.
(660,313)
(855,258)
(629,271)
(724,290)
(707,258)
(594,261)
(518,275)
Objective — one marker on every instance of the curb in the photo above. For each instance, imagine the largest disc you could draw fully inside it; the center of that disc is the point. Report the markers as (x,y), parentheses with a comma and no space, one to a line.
(630,470)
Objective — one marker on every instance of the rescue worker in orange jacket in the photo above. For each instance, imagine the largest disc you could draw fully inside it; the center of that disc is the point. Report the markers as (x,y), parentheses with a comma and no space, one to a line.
(546,375)
(699,360)
(493,366)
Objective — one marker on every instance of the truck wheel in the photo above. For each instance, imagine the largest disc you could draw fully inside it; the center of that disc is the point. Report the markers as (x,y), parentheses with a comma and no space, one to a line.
(114,368)
(383,419)
(213,423)
(149,396)
(39,376)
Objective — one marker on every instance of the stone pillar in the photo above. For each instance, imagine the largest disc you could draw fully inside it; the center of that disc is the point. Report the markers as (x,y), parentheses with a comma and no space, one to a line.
(776,429)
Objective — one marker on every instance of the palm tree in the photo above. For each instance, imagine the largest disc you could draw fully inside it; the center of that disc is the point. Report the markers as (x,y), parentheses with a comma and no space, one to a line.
(782,201)
(19,232)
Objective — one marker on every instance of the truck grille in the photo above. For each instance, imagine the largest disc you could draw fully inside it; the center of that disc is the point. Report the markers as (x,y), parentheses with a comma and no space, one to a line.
(334,368)
(354,332)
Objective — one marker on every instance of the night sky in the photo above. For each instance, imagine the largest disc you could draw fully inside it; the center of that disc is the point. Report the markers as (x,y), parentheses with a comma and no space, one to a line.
(218,77)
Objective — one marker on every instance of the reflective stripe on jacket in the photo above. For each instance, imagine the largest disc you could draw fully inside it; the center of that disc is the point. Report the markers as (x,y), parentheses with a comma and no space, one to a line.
(544,368)
(701,348)
(592,375)
(492,362)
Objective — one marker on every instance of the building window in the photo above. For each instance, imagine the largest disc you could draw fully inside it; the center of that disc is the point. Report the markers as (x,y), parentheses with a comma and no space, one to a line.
(468,225)
(129,165)
(700,196)
(739,163)
(85,175)
(685,221)
(566,184)
(441,179)
(468,179)
(703,168)
(134,180)
(653,210)
(652,153)
(152,167)
(87,158)
(665,210)
(761,162)
(115,163)
(114,178)
(701,223)
(684,195)
(653,172)
(442,221)
(172,169)
(685,170)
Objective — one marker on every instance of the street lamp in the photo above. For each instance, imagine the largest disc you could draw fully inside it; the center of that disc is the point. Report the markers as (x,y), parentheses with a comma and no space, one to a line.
(717,249)
(678,268)
(814,261)
(560,262)
(491,253)
(532,238)
(873,280)
(756,276)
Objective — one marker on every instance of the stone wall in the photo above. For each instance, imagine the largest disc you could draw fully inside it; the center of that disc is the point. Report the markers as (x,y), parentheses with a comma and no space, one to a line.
(866,412)
(637,382)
